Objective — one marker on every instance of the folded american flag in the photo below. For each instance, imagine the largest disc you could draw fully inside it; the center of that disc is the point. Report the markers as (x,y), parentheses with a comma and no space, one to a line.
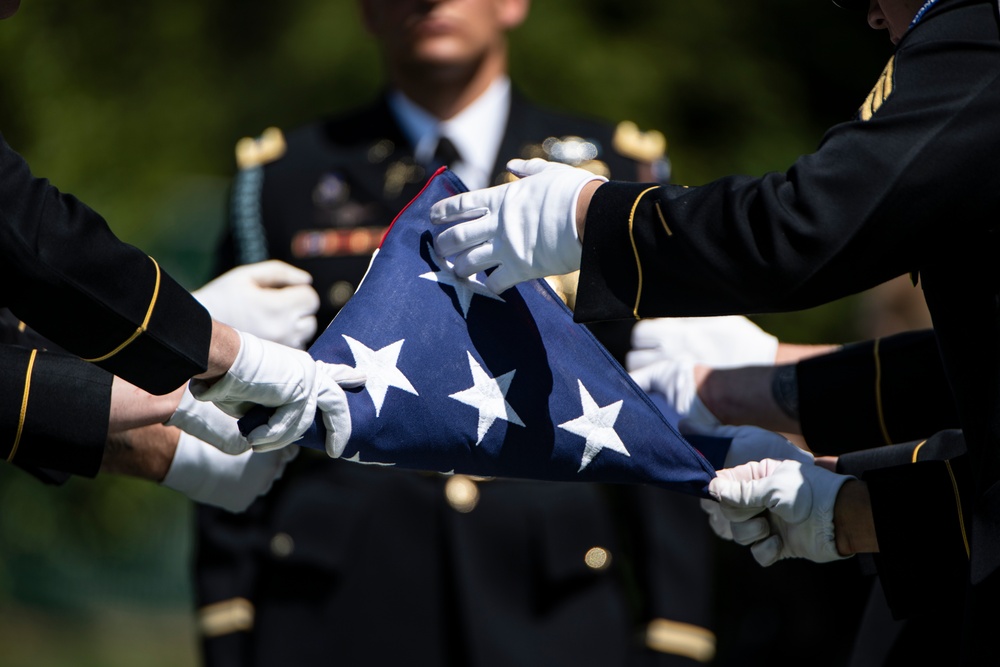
(460,380)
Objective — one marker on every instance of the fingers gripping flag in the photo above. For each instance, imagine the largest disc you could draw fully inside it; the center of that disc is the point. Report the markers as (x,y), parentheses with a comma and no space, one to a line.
(461,380)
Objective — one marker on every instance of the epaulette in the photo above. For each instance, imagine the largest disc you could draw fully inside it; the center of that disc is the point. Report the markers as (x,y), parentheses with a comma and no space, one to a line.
(268,147)
(641,146)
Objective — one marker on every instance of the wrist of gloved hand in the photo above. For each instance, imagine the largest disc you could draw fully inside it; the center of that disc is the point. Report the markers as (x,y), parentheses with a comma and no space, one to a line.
(206,475)
(783,509)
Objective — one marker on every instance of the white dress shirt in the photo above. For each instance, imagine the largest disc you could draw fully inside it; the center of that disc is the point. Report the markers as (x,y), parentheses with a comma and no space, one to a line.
(476,131)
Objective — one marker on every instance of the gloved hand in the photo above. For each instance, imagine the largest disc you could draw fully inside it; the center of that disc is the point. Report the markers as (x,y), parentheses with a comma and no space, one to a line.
(527,228)
(272,300)
(719,342)
(719,524)
(749,443)
(206,475)
(276,376)
(674,379)
(799,502)
(207,422)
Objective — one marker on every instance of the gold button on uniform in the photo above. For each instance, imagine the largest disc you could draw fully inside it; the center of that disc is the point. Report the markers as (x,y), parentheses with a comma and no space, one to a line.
(598,558)
(282,545)
(462,493)
(340,292)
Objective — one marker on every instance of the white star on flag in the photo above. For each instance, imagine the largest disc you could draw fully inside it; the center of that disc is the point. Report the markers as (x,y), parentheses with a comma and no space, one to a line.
(380,367)
(597,425)
(464,288)
(489,396)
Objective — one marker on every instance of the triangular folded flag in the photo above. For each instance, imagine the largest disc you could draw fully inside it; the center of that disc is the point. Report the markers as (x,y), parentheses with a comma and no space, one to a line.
(461,380)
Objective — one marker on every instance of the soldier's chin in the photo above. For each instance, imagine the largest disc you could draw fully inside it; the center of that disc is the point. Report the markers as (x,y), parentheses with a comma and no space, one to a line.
(8,8)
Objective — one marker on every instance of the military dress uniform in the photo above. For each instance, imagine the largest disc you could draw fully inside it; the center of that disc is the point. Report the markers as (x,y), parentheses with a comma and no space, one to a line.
(908,186)
(64,274)
(873,393)
(886,404)
(355,565)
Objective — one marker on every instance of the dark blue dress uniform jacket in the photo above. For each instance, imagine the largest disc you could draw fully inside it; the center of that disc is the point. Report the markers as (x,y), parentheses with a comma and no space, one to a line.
(343,564)
(65,274)
(910,185)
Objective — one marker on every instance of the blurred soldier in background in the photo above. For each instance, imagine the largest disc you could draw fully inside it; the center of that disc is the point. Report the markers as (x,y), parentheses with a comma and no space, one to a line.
(348,564)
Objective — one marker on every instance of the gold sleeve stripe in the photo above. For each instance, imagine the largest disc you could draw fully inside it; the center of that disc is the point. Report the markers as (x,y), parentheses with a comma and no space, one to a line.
(635,249)
(958,506)
(24,406)
(878,394)
(663,220)
(916,450)
(226,617)
(684,639)
(145,322)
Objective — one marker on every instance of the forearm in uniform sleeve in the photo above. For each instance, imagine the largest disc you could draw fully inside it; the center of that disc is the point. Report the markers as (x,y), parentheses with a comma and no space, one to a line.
(874,393)
(922,532)
(609,284)
(66,275)
(941,446)
(53,411)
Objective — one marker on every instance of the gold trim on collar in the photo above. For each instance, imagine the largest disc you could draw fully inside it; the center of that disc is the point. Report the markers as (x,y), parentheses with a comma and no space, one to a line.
(145,322)
(226,617)
(635,249)
(690,641)
(24,406)
(958,506)
(878,394)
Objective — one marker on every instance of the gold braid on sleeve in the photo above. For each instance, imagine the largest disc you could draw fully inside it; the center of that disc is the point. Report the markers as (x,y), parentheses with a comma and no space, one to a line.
(145,322)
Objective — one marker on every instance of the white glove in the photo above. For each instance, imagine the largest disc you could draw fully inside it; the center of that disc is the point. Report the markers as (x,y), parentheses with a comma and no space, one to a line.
(750,443)
(674,379)
(207,422)
(277,376)
(527,228)
(206,475)
(719,524)
(272,300)
(799,500)
(720,342)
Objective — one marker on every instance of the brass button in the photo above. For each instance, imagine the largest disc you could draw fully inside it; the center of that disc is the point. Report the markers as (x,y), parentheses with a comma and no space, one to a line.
(282,545)
(598,558)
(340,293)
(462,493)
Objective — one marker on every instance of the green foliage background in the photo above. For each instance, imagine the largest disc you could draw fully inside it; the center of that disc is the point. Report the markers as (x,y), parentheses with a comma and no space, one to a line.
(135,108)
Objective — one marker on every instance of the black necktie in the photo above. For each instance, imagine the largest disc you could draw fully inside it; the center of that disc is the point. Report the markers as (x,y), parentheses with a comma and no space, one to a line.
(446,155)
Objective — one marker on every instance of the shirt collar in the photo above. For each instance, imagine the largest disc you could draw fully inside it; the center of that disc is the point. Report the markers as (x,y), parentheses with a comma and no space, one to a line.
(476,131)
